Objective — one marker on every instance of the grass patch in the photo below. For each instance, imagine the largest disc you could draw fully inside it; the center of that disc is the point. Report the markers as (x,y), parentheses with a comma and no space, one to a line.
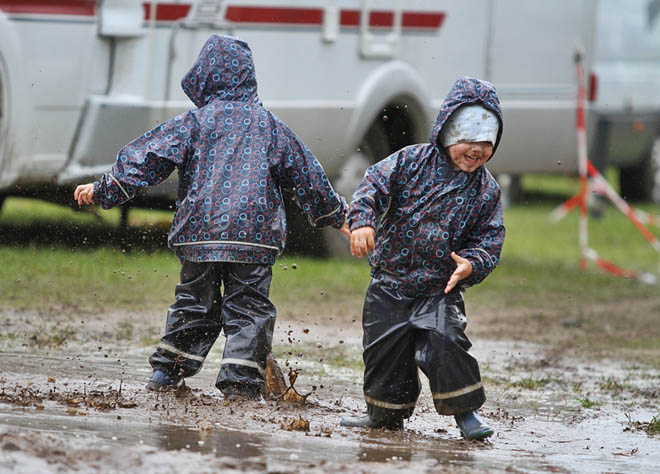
(530,383)
(654,425)
(337,356)
(612,385)
(86,280)
(651,428)
(149,341)
(61,259)
(586,402)
(53,337)
(494,381)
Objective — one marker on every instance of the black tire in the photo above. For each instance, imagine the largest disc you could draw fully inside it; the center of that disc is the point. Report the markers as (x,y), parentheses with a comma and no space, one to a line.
(302,238)
(642,181)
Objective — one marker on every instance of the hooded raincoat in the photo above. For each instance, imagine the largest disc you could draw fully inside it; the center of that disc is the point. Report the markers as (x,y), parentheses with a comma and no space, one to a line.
(423,209)
(233,158)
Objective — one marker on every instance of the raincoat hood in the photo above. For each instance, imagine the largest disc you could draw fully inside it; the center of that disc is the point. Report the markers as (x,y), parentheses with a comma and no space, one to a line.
(223,70)
(467,91)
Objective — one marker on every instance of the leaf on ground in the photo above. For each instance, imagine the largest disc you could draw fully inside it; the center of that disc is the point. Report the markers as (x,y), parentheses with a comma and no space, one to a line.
(299,424)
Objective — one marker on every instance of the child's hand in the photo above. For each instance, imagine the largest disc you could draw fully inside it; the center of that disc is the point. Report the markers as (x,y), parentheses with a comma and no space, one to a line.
(463,270)
(84,194)
(345,230)
(362,241)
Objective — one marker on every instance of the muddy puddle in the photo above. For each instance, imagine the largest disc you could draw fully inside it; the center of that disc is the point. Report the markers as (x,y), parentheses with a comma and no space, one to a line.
(84,408)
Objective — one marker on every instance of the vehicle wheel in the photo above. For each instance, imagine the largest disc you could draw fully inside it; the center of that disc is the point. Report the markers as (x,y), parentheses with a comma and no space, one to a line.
(374,147)
(642,182)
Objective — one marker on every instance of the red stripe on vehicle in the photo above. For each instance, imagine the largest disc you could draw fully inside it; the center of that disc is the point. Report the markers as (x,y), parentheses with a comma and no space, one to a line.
(304,16)
(349,17)
(68,7)
(386,19)
(237,14)
(314,16)
(423,19)
(166,11)
(380,18)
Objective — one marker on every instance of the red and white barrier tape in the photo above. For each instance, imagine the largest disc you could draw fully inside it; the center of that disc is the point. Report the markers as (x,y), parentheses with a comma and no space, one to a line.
(600,186)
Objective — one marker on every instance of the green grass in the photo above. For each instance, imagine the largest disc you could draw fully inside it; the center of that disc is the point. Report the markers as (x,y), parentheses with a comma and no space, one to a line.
(652,427)
(587,403)
(29,211)
(540,259)
(530,383)
(56,257)
(103,278)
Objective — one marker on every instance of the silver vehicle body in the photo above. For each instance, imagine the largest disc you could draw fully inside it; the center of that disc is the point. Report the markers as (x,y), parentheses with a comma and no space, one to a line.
(626,110)
(355,79)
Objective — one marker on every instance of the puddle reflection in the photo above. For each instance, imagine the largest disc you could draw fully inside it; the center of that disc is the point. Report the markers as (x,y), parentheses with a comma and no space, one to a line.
(235,444)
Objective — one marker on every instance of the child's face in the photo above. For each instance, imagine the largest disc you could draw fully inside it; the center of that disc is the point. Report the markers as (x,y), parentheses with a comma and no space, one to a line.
(468,156)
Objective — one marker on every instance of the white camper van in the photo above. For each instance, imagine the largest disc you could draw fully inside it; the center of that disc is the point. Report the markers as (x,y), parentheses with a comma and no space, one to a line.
(356,79)
(626,111)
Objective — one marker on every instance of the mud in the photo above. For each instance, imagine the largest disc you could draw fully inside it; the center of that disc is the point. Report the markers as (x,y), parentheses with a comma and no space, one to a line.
(80,405)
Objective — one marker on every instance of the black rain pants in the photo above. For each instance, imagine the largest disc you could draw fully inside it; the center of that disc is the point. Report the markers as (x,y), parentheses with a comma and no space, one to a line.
(403,333)
(242,310)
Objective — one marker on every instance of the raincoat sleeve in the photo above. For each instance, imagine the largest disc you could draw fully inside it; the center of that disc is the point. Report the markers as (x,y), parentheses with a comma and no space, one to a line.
(372,197)
(146,161)
(299,171)
(484,244)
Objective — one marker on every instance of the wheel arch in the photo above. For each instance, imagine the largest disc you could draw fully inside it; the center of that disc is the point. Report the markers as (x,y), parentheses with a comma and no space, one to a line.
(11,121)
(394,94)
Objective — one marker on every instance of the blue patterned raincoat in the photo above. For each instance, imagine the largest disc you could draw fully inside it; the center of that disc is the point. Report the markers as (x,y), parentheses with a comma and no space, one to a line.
(423,209)
(233,158)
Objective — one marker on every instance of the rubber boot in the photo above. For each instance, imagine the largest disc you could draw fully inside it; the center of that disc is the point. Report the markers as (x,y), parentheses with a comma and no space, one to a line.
(237,393)
(162,382)
(366,422)
(472,426)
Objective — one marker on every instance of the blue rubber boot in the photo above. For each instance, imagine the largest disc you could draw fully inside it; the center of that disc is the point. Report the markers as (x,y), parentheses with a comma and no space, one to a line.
(366,422)
(472,426)
(161,382)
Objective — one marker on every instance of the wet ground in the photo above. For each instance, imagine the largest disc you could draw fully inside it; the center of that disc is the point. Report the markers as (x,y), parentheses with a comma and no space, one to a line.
(83,407)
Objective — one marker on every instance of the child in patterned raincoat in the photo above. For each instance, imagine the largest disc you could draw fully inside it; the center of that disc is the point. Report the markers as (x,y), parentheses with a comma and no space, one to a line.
(431,216)
(234,158)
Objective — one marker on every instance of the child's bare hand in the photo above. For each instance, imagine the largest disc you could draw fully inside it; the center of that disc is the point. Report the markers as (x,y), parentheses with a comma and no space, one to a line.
(84,194)
(345,230)
(463,270)
(362,241)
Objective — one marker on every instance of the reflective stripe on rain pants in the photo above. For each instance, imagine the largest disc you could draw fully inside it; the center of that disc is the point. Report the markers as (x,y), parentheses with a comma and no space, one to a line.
(403,333)
(242,310)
